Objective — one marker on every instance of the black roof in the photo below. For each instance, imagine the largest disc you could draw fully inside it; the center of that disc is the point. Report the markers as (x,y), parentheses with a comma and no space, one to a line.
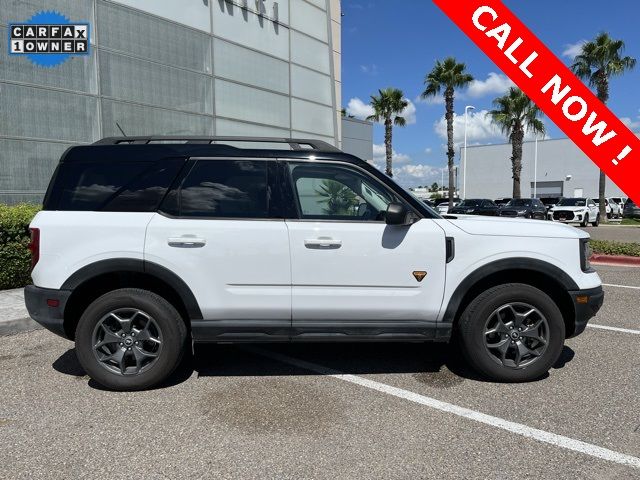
(156,147)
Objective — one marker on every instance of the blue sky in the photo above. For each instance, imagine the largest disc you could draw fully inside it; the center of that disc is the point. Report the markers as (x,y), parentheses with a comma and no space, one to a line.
(396,42)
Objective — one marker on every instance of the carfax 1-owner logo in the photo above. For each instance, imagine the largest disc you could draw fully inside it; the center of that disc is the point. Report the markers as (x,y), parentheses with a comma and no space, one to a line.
(49,38)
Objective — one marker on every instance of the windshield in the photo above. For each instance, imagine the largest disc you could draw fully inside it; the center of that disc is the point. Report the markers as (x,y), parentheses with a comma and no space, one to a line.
(573,202)
(435,213)
(519,202)
(471,203)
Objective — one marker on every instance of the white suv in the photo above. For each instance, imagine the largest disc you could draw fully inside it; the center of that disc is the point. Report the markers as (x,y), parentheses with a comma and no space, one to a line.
(582,211)
(145,244)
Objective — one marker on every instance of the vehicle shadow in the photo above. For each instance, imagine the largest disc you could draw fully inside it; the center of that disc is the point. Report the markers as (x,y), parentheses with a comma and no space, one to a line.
(435,364)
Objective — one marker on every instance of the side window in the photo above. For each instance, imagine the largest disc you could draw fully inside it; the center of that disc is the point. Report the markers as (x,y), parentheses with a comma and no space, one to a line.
(328,192)
(90,185)
(225,189)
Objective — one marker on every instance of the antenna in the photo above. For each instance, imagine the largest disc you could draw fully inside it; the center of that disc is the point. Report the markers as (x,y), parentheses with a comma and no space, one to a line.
(120,128)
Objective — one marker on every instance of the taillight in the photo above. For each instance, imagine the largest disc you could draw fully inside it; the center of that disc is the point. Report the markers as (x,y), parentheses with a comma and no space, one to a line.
(34,246)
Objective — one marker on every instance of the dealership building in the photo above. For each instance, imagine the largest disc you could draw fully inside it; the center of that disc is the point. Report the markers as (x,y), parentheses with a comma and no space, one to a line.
(563,171)
(168,67)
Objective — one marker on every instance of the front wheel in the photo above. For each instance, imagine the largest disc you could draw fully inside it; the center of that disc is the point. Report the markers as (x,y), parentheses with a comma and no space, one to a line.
(512,333)
(597,222)
(130,339)
(585,221)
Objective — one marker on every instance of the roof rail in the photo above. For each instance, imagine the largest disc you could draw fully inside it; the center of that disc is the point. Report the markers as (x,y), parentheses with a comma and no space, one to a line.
(294,143)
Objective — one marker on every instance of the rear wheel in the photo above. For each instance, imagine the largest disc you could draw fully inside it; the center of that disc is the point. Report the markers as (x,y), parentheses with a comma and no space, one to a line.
(512,333)
(597,222)
(130,339)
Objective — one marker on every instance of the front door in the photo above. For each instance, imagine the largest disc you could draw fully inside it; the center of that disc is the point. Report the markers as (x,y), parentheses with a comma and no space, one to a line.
(351,272)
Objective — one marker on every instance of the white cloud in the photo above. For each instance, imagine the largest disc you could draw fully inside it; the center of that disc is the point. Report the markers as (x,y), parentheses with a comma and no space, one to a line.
(573,49)
(405,172)
(480,129)
(361,110)
(371,69)
(495,84)
(380,156)
(437,100)
(428,150)
(413,175)
(631,124)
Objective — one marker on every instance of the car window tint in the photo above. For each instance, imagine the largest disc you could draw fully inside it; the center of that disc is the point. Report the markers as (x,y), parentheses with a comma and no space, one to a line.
(225,189)
(338,193)
(89,185)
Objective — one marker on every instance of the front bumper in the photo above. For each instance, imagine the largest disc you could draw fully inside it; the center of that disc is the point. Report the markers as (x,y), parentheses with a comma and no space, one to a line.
(586,304)
(46,306)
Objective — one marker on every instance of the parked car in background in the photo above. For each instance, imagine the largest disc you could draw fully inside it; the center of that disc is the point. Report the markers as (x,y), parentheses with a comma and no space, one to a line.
(442,205)
(631,210)
(525,208)
(576,210)
(429,203)
(502,202)
(612,209)
(620,201)
(476,206)
(550,202)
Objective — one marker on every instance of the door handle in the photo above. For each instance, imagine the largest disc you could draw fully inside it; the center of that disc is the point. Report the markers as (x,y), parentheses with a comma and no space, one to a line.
(186,242)
(324,243)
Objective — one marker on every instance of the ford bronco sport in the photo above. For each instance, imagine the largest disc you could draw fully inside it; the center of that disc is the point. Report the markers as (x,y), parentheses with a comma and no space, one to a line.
(147,243)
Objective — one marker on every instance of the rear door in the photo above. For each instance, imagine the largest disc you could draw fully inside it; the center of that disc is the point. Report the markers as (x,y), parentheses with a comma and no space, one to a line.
(220,231)
(351,272)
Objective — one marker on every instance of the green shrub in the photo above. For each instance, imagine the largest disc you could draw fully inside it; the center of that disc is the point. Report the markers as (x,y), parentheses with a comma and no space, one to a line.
(15,258)
(615,248)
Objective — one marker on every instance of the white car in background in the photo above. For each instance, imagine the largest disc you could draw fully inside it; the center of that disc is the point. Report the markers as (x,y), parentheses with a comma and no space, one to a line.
(614,210)
(576,210)
(443,206)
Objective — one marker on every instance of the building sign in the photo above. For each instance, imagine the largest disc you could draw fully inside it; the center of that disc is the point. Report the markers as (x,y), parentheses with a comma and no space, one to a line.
(48,39)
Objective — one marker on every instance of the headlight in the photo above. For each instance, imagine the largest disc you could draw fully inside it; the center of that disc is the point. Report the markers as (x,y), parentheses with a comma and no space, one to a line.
(585,254)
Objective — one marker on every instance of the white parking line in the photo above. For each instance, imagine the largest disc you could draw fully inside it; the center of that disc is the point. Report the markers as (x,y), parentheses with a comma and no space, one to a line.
(620,286)
(517,428)
(614,329)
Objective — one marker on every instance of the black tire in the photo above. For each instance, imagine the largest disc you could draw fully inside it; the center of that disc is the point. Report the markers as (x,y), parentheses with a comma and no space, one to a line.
(167,324)
(585,221)
(474,320)
(597,222)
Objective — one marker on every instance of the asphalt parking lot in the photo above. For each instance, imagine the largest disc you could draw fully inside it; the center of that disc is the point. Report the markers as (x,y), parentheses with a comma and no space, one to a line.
(332,411)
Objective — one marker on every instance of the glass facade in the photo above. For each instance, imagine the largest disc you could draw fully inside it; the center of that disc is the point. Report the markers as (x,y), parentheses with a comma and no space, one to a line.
(161,67)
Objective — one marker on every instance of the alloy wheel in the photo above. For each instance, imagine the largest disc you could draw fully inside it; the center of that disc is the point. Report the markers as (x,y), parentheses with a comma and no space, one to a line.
(127,341)
(516,335)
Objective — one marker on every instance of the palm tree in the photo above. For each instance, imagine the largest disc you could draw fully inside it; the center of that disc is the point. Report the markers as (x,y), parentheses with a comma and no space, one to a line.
(387,107)
(339,199)
(516,114)
(447,75)
(598,61)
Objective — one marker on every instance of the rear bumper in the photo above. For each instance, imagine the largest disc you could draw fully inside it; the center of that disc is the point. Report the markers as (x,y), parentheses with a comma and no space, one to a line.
(586,304)
(38,300)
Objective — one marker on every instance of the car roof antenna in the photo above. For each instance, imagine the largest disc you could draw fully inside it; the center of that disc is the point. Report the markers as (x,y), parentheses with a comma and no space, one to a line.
(120,128)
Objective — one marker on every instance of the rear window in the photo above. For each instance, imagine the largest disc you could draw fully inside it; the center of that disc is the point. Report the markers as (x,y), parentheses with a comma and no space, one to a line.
(113,186)
(222,189)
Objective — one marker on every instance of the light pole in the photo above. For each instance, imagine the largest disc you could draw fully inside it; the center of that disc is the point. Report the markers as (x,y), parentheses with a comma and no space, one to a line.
(464,162)
(535,170)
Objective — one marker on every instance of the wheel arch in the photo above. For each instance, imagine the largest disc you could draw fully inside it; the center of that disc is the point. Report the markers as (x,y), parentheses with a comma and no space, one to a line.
(540,274)
(96,279)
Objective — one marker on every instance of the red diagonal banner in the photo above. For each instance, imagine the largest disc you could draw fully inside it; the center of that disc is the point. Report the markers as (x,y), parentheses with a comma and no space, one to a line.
(552,86)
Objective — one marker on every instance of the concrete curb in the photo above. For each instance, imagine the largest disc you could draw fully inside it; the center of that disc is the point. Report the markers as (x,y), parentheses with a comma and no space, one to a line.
(618,260)
(18,325)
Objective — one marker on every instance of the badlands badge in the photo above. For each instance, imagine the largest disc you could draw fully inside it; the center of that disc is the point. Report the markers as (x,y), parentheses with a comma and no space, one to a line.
(48,39)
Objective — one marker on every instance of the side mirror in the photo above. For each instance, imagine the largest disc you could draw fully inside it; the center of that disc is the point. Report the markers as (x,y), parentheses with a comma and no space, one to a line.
(396,214)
